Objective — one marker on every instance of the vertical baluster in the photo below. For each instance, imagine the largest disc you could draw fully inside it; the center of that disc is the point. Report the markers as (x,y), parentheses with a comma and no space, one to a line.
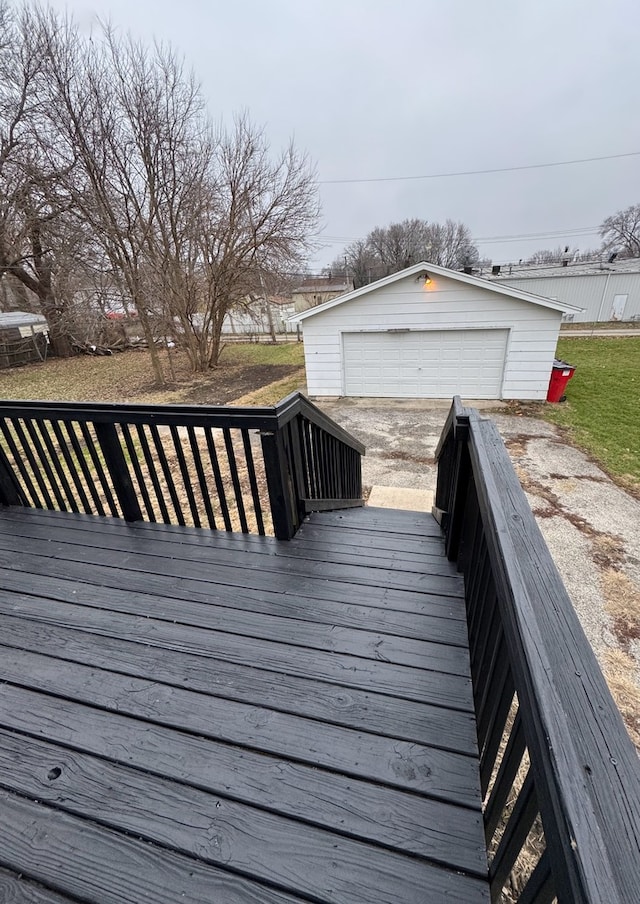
(86,473)
(71,466)
(58,468)
(33,463)
(496,724)
(137,470)
(253,483)
(319,459)
(217,476)
(338,468)
(186,477)
(19,463)
(326,464)
(514,837)
(300,428)
(44,464)
(153,474)
(511,760)
(486,616)
(540,888)
(204,489)
(97,464)
(235,479)
(310,460)
(166,470)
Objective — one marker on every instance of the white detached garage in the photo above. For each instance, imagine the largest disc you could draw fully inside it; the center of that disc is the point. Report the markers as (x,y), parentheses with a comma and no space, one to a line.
(428,332)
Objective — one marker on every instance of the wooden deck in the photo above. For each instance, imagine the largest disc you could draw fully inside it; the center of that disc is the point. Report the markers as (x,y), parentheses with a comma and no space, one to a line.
(194,717)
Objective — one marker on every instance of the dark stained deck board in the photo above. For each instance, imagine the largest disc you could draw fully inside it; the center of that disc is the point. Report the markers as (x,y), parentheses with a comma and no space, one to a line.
(199,581)
(84,859)
(15,889)
(421,684)
(236,613)
(319,546)
(277,754)
(219,831)
(403,764)
(212,641)
(418,524)
(39,649)
(82,855)
(430,543)
(224,564)
(390,817)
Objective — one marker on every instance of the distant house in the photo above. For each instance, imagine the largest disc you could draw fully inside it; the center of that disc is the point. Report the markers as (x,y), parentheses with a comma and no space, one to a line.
(260,316)
(604,290)
(319,289)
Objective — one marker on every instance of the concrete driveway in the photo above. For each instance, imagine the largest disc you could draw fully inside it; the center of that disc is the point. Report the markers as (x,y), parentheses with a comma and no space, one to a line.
(591,525)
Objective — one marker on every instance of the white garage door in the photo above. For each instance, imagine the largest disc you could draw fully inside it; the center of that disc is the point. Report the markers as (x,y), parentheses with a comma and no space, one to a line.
(425,364)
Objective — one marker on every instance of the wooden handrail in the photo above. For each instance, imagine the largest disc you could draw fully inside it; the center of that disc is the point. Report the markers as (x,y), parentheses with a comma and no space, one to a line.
(179,463)
(529,655)
(296,403)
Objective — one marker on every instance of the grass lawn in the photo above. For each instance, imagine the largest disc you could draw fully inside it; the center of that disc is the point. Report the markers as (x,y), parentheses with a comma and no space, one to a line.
(244,370)
(602,411)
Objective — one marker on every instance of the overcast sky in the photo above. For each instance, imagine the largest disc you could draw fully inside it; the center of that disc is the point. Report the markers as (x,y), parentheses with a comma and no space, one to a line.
(377,89)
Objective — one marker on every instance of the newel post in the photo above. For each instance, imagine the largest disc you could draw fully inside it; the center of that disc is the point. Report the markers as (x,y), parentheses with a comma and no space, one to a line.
(11,493)
(118,471)
(280,483)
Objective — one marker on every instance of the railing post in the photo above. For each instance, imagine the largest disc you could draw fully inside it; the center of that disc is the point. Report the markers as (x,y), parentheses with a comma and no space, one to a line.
(459,484)
(280,485)
(11,492)
(118,471)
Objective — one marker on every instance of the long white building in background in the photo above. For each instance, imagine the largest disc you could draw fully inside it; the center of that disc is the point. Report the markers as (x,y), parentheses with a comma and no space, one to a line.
(605,291)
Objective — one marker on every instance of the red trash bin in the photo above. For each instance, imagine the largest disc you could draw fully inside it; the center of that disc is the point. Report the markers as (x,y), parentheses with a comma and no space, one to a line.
(561,373)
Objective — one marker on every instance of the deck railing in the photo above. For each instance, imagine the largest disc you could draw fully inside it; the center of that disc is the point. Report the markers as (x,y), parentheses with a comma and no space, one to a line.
(559,774)
(236,469)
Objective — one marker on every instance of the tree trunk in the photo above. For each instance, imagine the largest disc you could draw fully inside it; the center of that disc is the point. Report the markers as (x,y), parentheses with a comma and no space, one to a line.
(59,339)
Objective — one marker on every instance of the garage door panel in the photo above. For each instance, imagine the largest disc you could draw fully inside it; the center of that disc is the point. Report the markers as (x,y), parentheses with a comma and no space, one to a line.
(425,363)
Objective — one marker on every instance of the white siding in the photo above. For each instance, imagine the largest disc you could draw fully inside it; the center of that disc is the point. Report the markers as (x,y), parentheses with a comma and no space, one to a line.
(446,304)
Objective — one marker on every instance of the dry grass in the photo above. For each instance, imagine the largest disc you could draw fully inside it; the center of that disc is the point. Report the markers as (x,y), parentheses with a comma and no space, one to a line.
(128,376)
(618,667)
(274,392)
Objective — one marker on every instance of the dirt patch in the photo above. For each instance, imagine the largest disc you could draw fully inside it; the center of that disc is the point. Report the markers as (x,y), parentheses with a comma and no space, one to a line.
(607,548)
(235,382)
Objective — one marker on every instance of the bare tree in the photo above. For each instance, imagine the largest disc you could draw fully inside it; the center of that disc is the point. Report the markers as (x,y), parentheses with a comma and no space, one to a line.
(190,221)
(621,232)
(391,248)
(34,234)
(357,262)
(449,244)
(262,217)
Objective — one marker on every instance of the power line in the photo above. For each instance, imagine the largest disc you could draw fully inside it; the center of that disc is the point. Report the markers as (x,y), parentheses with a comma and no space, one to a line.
(482,172)
(578,232)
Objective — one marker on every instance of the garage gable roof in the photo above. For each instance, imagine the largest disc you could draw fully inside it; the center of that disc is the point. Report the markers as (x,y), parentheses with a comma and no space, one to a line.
(424,266)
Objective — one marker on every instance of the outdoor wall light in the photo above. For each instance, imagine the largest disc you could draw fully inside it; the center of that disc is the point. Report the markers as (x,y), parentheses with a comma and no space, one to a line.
(427,280)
